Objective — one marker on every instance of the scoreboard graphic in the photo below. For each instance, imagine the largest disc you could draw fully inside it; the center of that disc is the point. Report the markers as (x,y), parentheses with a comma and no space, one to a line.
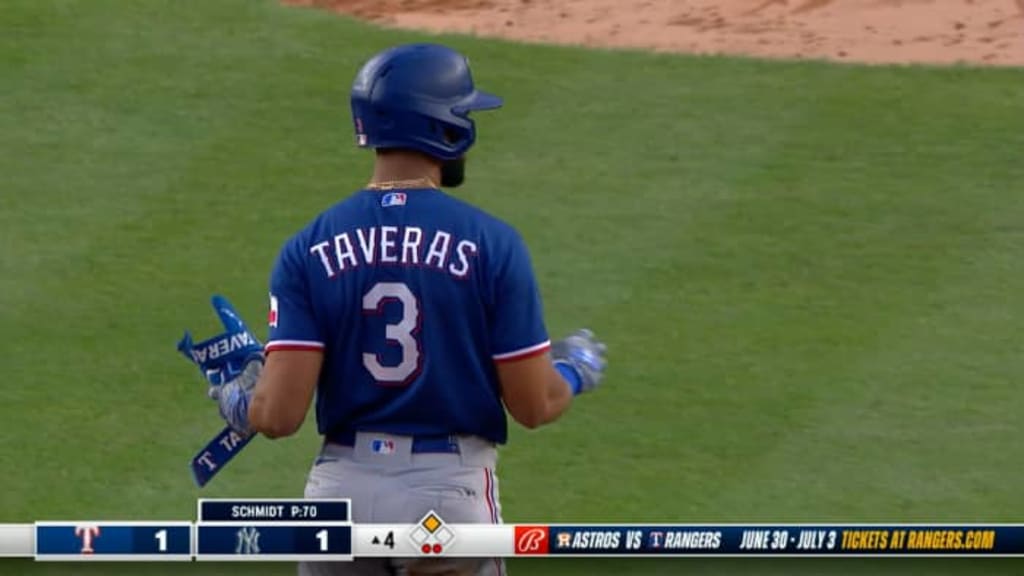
(133,541)
(292,530)
(268,530)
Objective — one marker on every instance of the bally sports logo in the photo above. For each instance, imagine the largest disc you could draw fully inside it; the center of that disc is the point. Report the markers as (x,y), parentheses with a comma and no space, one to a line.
(531,540)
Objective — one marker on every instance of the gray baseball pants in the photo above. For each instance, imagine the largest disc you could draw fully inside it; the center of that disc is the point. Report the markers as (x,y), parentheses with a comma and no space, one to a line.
(401,487)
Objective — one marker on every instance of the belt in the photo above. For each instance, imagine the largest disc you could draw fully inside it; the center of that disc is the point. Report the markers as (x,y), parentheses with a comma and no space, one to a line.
(421,443)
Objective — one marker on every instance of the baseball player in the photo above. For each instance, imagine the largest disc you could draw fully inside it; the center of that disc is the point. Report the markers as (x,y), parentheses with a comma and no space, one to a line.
(416,320)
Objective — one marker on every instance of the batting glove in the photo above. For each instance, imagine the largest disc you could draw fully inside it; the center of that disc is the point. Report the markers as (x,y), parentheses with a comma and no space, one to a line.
(233,397)
(231,363)
(583,354)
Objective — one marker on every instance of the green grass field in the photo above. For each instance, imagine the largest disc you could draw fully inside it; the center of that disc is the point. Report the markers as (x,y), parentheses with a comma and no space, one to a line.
(808,275)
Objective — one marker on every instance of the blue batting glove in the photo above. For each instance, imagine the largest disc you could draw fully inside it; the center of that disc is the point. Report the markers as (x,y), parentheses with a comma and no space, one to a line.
(580,358)
(230,362)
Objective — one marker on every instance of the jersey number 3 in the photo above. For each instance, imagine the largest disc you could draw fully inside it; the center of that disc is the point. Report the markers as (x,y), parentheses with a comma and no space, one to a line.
(403,333)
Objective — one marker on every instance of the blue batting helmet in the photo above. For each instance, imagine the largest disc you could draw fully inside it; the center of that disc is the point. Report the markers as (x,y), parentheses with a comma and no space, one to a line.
(418,96)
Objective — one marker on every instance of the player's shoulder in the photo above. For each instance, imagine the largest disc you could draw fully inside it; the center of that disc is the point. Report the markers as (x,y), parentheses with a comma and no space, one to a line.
(350,208)
(490,224)
(315,226)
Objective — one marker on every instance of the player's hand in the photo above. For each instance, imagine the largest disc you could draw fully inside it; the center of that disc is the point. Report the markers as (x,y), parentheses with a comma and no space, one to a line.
(585,354)
(231,363)
(233,397)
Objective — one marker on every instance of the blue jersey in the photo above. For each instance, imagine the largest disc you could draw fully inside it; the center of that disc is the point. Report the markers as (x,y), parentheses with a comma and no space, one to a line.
(412,296)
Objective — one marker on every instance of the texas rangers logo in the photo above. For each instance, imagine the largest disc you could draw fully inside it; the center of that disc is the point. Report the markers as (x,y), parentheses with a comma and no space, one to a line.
(531,540)
(87,533)
(206,459)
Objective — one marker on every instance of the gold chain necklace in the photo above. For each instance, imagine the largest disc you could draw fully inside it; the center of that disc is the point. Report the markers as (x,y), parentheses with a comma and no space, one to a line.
(402,184)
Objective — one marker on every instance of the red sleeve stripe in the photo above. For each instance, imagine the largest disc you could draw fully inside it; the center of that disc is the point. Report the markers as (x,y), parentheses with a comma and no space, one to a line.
(279,345)
(522,353)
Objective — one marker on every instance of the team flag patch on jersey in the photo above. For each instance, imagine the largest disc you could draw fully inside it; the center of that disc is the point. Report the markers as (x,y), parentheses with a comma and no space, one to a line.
(272,315)
(393,199)
(379,446)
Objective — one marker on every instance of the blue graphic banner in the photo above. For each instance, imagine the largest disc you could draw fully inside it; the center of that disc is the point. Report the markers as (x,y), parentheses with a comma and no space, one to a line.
(113,541)
(277,541)
(786,540)
(273,510)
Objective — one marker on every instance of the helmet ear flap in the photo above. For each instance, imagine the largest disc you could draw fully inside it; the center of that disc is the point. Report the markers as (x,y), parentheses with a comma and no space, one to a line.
(456,135)
(449,135)
(382,119)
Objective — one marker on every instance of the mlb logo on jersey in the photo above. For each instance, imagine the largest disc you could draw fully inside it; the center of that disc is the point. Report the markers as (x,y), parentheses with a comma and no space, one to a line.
(379,446)
(393,199)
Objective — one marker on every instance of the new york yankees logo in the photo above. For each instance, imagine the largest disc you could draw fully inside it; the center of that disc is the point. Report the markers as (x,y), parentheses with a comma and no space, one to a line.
(248,541)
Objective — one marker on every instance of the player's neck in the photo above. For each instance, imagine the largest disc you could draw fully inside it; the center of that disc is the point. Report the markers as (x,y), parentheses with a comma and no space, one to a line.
(401,166)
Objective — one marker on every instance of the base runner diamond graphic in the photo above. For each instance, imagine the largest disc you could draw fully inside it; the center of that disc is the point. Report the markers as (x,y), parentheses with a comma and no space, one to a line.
(431,535)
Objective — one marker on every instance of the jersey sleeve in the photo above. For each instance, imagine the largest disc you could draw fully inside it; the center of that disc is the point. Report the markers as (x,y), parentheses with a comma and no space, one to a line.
(517,330)
(291,319)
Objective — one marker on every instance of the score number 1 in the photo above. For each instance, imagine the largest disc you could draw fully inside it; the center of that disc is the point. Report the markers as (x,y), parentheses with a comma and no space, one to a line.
(161,540)
(322,537)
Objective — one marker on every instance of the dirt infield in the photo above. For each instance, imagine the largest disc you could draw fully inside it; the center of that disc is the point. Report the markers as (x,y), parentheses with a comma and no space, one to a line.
(876,31)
